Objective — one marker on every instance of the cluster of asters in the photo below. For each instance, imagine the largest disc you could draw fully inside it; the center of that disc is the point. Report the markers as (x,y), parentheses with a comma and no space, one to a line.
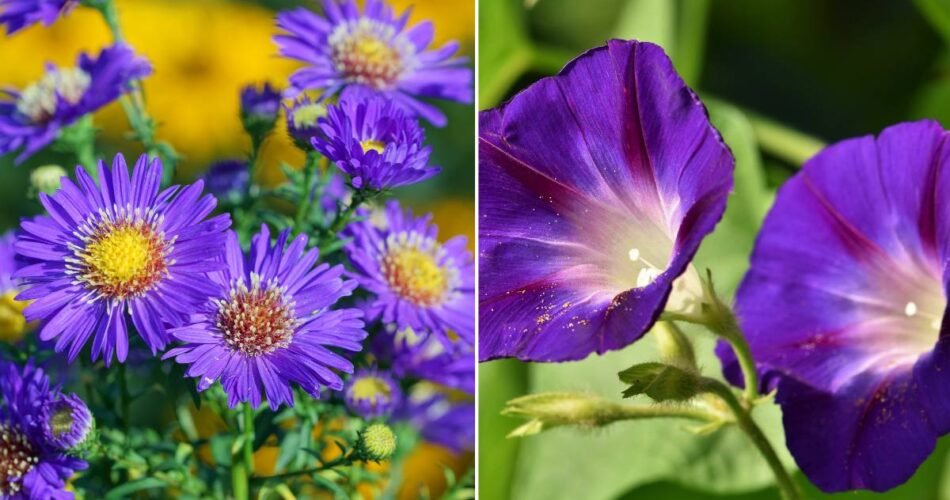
(843,305)
(386,329)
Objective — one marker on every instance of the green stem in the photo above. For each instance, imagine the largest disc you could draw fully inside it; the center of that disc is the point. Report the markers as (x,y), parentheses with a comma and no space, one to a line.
(303,211)
(143,126)
(342,460)
(343,218)
(784,142)
(125,397)
(787,487)
(242,461)
(691,39)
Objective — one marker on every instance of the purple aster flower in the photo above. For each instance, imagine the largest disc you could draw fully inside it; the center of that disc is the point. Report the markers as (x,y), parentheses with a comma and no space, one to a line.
(442,418)
(32,118)
(418,282)
(372,394)
(12,322)
(844,306)
(118,249)
(372,53)
(18,14)
(302,120)
(597,187)
(427,357)
(374,143)
(334,192)
(30,467)
(227,179)
(269,323)
(67,422)
(259,108)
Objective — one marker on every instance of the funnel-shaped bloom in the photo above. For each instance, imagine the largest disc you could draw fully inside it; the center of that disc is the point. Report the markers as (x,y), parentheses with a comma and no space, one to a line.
(372,52)
(844,307)
(32,118)
(597,187)
(117,249)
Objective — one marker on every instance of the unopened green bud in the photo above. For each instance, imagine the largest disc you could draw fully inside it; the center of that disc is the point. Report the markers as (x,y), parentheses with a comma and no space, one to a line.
(674,346)
(555,409)
(47,179)
(376,442)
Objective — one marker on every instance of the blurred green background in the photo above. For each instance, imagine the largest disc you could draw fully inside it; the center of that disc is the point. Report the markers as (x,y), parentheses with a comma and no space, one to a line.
(780,79)
(203,52)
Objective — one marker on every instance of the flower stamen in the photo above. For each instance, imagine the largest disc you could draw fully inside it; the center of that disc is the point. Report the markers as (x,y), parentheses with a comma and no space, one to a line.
(256,320)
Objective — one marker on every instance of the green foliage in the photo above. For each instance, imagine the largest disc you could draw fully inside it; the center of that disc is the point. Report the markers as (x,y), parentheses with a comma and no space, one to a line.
(659,381)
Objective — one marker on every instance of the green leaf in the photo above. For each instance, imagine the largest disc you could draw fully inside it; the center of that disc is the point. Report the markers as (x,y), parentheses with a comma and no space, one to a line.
(661,382)
(503,55)
(127,489)
(650,21)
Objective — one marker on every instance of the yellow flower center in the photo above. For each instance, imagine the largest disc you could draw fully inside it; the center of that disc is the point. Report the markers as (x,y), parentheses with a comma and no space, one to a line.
(17,457)
(373,145)
(414,273)
(369,53)
(12,322)
(123,259)
(372,389)
(306,116)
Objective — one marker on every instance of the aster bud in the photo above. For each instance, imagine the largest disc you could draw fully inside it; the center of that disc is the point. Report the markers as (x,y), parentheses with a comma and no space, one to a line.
(376,442)
(46,179)
(69,425)
(661,382)
(259,109)
(302,118)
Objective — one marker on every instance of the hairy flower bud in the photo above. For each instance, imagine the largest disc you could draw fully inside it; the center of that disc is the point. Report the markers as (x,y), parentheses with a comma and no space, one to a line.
(376,442)
(46,179)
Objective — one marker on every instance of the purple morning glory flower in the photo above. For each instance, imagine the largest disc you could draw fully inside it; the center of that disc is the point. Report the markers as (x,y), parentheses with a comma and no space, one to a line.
(372,52)
(374,143)
(597,187)
(417,282)
(268,323)
(372,394)
(118,249)
(227,178)
(18,14)
(844,305)
(30,466)
(32,118)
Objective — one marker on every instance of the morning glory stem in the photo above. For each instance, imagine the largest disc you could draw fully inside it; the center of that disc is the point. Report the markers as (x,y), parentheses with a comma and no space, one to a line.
(786,485)
(780,140)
